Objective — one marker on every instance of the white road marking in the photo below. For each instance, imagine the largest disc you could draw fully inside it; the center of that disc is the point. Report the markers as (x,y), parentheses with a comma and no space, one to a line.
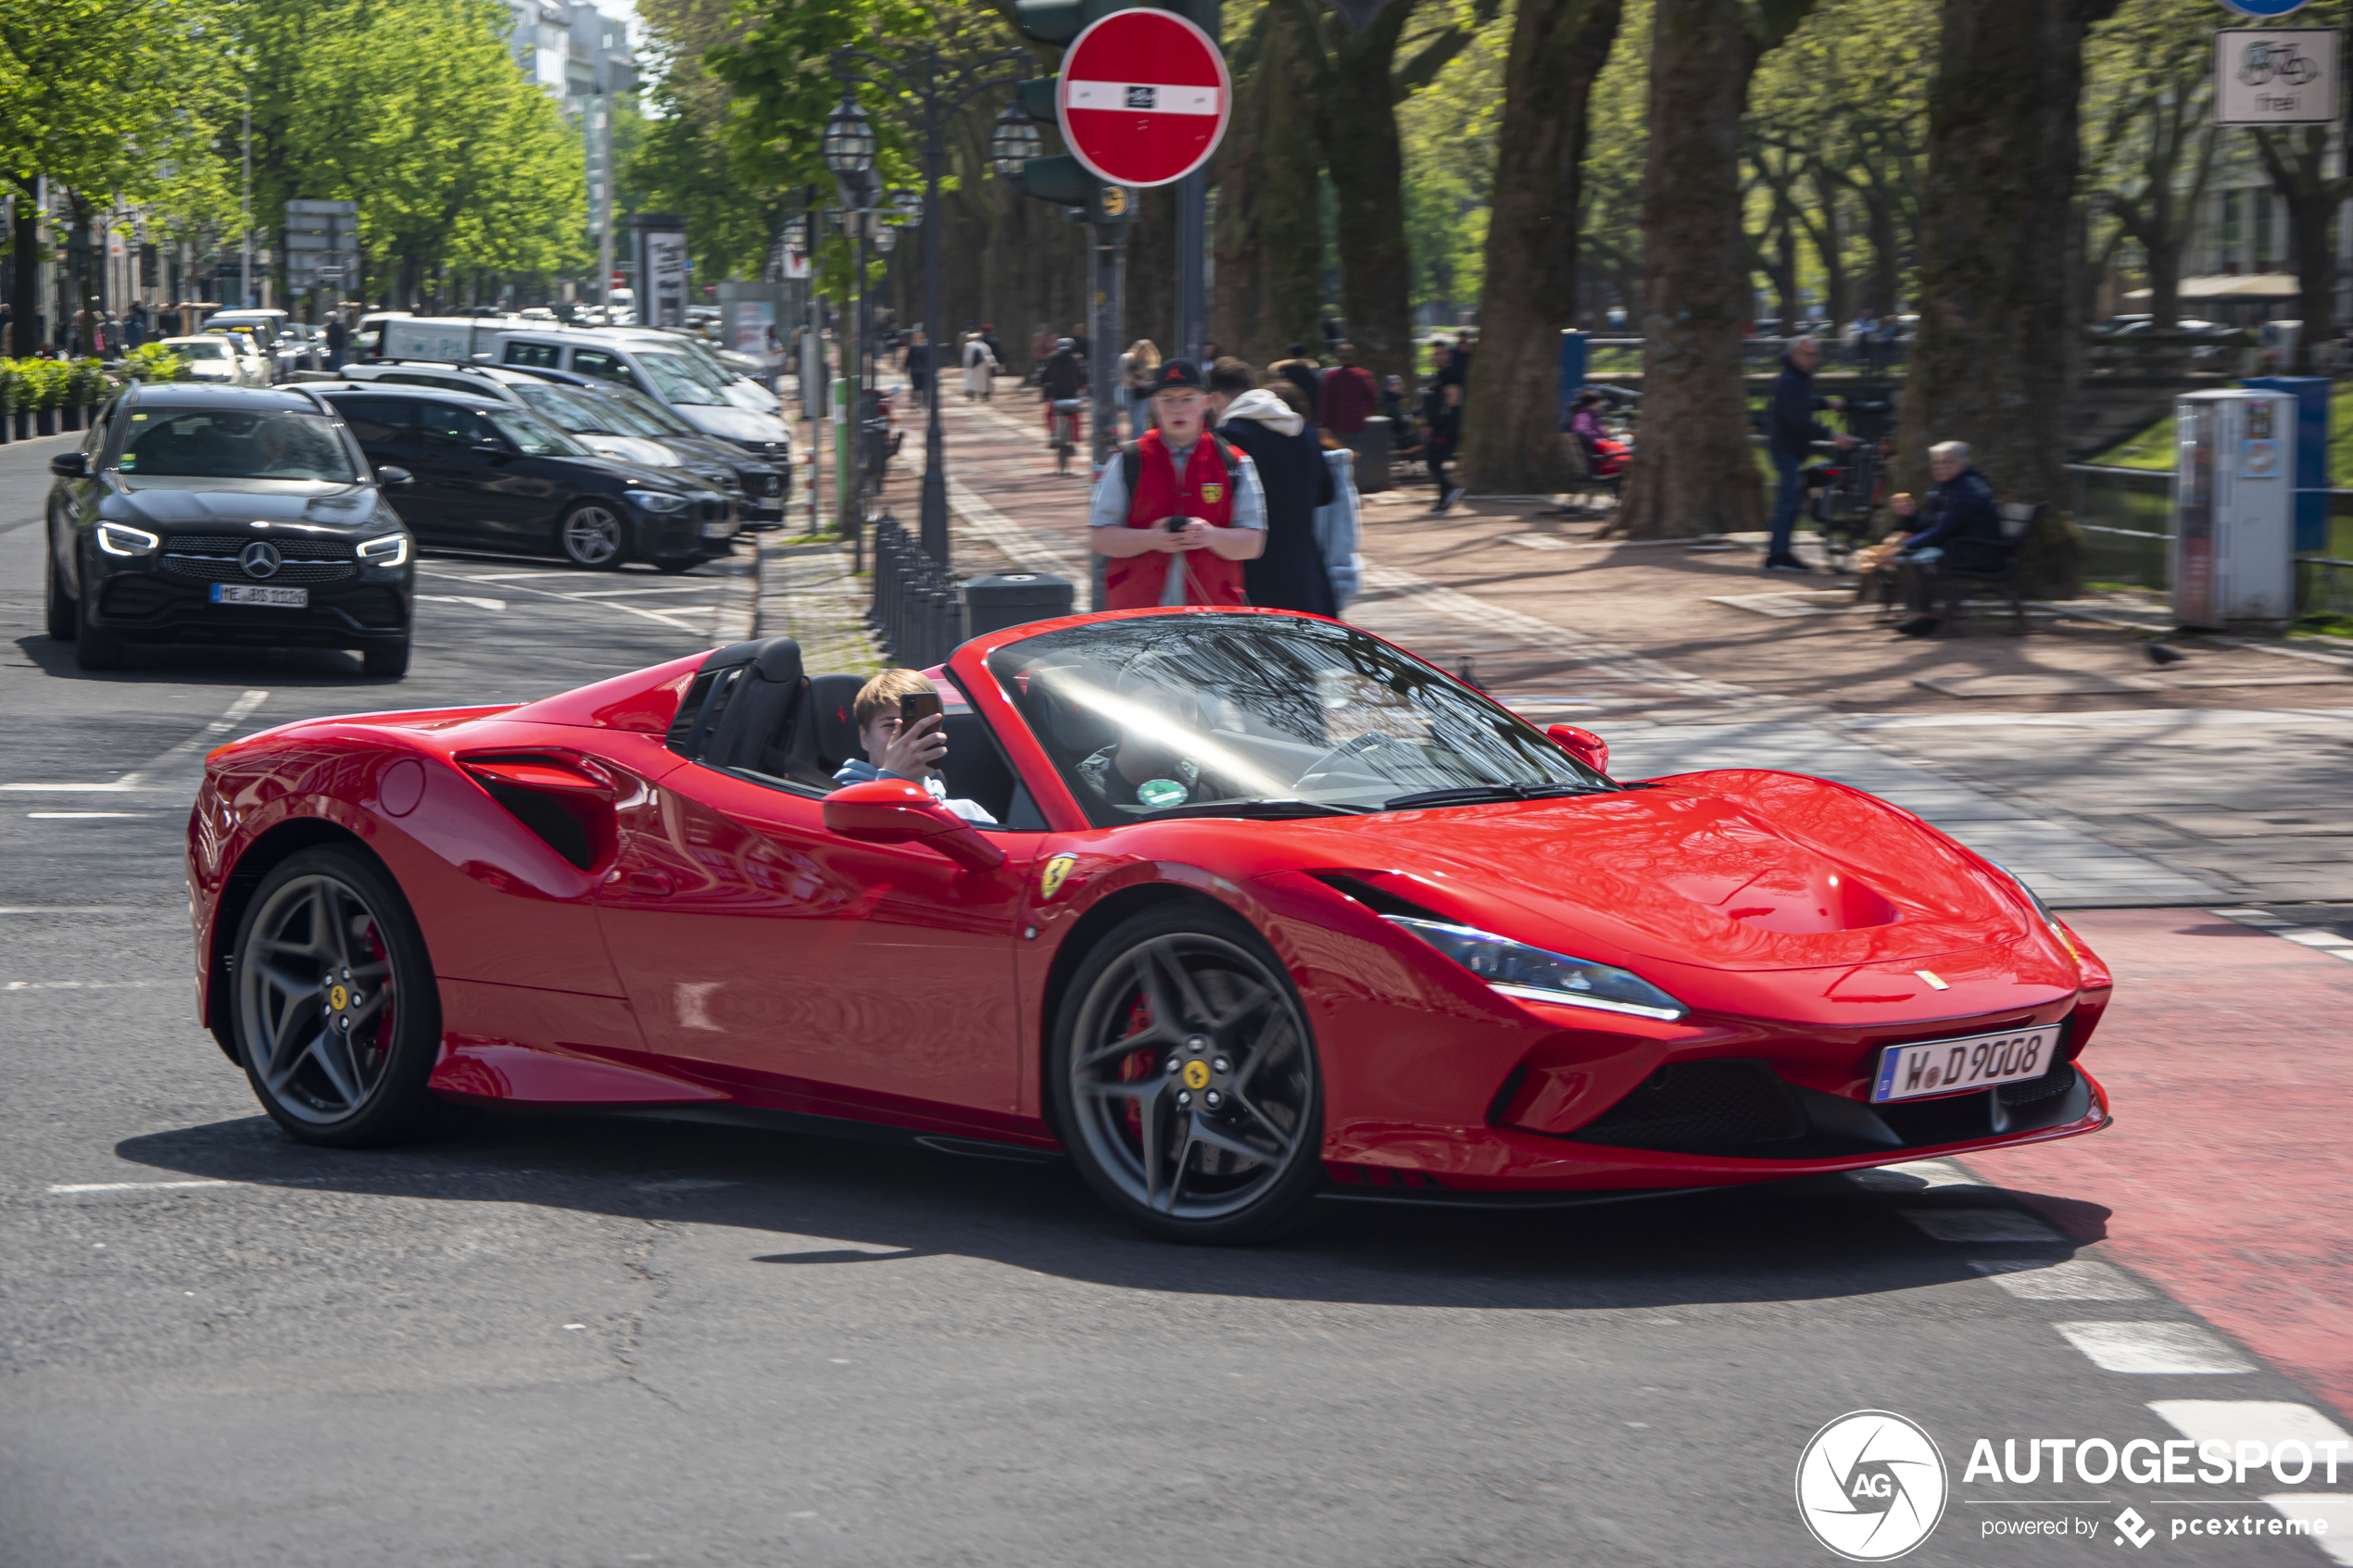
(134,1186)
(82,985)
(2318,938)
(1914,1175)
(1980,1225)
(2330,1514)
(2166,1349)
(132,780)
(88,909)
(464,600)
(2078,1279)
(2268,1421)
(653,615)
(77,816)
(706,586)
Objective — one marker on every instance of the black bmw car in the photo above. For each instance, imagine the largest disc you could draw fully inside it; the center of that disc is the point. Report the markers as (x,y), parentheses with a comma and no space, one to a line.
(235,515)
(491,475)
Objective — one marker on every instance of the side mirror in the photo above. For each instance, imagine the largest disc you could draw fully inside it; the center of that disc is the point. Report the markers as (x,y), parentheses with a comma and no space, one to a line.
(69,465)
(392,477)
(1584,745)
(894,812)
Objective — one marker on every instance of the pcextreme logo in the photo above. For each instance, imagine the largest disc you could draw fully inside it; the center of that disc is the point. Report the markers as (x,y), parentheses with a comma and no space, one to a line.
(1871,1486)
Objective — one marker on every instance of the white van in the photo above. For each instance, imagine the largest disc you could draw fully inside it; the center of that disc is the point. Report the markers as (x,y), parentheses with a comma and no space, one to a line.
(453,338)
(661,367)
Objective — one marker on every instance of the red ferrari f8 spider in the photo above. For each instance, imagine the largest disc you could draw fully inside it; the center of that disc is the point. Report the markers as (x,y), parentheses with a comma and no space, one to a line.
(1265,909)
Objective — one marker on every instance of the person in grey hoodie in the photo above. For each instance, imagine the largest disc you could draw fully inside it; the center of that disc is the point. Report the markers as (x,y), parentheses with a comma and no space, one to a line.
(1270,426)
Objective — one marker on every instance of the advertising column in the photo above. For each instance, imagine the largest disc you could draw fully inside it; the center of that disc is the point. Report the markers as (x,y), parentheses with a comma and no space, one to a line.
(661,245)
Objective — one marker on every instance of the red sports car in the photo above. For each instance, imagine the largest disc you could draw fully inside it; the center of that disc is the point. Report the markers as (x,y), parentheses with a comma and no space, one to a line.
(1233,907)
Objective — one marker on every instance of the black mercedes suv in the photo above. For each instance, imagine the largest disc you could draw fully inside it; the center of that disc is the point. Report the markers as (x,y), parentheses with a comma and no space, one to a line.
(236,515)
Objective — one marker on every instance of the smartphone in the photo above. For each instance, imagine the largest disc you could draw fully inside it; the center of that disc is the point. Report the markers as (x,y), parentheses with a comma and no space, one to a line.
(1174,525)
(916,707)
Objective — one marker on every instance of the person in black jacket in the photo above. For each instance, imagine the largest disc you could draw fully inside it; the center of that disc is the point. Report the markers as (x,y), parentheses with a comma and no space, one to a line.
(1270,426)
(1791,431)
(1964,533)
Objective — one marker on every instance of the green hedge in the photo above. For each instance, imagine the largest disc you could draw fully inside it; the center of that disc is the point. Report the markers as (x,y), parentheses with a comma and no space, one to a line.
(33,386)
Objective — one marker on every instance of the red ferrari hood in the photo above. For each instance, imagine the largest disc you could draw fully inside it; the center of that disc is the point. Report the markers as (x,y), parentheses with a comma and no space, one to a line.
(1736,870)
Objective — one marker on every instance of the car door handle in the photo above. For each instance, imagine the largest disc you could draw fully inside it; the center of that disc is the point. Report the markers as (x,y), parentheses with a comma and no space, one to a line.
(651,884)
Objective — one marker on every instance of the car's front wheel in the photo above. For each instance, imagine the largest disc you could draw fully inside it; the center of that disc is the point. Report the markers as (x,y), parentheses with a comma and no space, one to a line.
(60,603)
(336,1018)
(93,648)
(1185,1081)
(386,660)
(593,535)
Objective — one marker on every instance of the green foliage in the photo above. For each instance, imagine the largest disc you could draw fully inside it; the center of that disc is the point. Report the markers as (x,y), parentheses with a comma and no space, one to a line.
(154,362)
(12,388)
(42,384)
(1448,131)
(87,382)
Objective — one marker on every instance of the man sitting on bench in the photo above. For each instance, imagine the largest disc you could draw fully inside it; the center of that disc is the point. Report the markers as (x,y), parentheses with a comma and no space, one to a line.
(1963,538)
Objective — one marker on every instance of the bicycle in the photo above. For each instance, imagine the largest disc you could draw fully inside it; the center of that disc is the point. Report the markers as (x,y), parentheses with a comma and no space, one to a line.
(2268,59)
(1066,428)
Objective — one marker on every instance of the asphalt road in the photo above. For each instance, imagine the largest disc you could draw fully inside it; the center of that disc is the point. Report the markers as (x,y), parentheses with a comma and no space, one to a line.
(556,1340)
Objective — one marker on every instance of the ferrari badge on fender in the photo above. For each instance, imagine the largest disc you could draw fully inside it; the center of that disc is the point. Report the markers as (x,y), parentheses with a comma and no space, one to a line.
(1049,881)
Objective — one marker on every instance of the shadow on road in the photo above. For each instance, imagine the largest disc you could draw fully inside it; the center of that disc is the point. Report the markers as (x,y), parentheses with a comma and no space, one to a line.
(855,1203)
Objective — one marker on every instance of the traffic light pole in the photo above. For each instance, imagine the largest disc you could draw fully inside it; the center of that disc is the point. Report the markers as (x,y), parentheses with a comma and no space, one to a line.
(1192,263)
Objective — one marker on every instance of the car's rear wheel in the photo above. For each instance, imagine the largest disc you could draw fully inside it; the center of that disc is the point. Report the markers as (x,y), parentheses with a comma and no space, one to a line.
(594,534)
(1184,1079)
(94,648)
(334,1005)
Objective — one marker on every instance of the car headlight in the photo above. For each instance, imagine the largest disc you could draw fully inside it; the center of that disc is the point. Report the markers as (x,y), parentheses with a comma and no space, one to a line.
(2041,908)
(392,550)
(657,500)
(116,539)
(1514,968)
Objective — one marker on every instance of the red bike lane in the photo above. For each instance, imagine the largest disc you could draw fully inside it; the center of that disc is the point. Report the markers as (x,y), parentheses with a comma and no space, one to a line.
(2227,1177)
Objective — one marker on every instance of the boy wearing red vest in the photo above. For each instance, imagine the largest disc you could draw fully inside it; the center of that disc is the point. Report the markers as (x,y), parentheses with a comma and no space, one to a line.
(1177,474)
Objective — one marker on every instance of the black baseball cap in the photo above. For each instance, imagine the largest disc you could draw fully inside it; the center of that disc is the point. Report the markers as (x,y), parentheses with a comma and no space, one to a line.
(1176,375)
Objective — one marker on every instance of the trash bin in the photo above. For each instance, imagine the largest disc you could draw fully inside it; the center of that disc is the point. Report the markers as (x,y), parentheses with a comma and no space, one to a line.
(1371,445)
(1013,598)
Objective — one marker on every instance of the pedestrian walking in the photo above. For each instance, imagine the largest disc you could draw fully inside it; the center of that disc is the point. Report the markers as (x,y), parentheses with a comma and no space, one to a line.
(1339,526)
(1138,369)
(1442,426)
(1078,339)
(1063,378)
(1349,397)
(916,362)
(1179,496)
(1791,432)
(338,340)
(980,368)
(1303,373)
(1270,425)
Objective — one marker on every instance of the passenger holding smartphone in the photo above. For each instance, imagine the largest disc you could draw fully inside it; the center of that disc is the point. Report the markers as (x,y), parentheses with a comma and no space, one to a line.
(898,716)
(1180,510)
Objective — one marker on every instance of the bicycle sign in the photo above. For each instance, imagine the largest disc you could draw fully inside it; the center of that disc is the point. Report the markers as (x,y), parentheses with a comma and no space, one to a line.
(2264,7)
(2275,76)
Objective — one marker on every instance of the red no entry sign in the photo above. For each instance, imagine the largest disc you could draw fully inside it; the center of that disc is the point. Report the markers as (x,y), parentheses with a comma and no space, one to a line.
(1143,98)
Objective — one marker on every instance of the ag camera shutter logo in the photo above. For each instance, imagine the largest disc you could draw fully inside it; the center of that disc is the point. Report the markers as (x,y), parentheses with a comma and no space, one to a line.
(1871,1486)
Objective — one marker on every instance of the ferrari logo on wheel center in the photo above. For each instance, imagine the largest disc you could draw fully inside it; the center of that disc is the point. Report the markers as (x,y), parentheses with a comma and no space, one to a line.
(338,999)
(1196,1074)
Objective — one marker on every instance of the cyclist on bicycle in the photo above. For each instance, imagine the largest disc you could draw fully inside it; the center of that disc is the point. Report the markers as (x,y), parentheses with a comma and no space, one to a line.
(1063,381)
(1180,510)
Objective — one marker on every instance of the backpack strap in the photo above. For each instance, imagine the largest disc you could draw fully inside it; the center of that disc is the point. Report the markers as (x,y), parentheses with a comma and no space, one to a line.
(1131,468)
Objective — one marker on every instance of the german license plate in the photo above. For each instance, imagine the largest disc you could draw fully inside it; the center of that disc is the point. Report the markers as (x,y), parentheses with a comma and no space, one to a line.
(1949,1067)
(245,594)
(719,530)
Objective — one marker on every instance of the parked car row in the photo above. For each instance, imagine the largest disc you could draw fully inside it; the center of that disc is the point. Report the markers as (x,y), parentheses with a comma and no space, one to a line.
(291,517)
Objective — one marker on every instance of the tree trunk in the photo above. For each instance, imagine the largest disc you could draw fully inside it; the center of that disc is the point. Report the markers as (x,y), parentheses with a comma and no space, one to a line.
(1236,294)
(26,292)
(1290,216)
(1511,424)
(1830,241)
(1785,264)
(1887,263)
(1368,165)
(2301,176)
(1695,472)
(1997,351)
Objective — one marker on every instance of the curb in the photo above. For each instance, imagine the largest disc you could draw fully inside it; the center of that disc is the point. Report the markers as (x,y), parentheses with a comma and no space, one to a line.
(738,619)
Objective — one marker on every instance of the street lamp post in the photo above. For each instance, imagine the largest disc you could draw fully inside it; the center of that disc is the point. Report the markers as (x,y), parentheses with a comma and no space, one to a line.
(939,94)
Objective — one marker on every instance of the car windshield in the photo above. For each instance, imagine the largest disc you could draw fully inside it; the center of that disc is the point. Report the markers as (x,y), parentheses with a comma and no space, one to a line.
(235,444)
(566,411)
(678,378)
(200,350)
(534,435)
(1261,715)
(657,420)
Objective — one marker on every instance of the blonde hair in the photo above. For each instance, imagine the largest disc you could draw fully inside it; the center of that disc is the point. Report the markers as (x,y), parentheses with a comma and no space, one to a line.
(1146,352)
(884,691)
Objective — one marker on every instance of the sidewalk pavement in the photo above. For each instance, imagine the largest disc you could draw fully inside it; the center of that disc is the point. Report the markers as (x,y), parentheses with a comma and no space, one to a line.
(2064,754)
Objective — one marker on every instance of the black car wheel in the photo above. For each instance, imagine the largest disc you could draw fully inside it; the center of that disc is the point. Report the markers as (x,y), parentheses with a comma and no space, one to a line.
(334,1005)
(60,603)
(93,648)
(386,660)
(593,535)
(1184,1079)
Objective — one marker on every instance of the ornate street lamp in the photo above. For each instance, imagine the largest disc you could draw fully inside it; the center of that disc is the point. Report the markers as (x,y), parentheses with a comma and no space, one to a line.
(849,139)
(884,237)
(1014,141)
(907,206)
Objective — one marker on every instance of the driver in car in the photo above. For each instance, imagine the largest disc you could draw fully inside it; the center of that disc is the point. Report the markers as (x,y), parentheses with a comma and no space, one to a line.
(1144,767)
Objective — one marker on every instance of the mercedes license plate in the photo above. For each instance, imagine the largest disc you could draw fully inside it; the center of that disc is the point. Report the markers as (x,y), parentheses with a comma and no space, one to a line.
(245,594)
(719,530)
(1948,1067)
